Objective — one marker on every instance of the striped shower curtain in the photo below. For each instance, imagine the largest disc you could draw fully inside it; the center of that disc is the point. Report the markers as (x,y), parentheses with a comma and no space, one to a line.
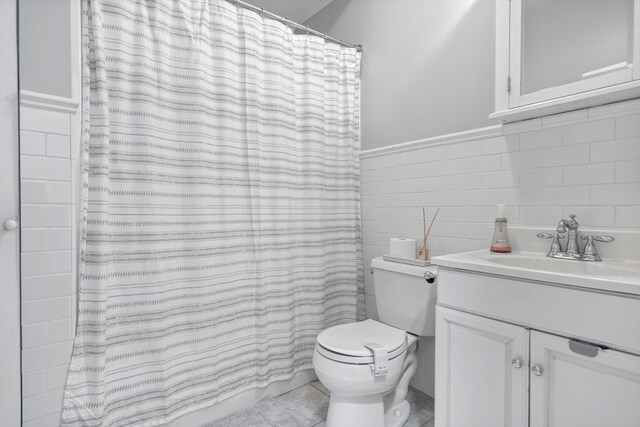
(220,223)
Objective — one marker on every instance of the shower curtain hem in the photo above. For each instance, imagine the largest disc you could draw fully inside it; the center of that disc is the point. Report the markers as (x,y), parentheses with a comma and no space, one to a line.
(249,386)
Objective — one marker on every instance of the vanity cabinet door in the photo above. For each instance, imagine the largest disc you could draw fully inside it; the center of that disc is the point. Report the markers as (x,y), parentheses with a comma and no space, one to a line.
(481,371)
(582,387)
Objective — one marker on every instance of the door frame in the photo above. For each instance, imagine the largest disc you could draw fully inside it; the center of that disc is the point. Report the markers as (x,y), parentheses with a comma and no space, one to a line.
(10,360)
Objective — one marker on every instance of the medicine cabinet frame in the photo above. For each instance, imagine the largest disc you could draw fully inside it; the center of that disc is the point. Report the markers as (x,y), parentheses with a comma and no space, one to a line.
(512,105)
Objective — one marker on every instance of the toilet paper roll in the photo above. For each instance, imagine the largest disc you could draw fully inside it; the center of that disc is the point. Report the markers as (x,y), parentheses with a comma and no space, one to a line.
(402,248)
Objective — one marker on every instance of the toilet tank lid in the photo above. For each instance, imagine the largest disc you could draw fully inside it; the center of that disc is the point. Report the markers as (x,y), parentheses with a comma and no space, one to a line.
(398,267)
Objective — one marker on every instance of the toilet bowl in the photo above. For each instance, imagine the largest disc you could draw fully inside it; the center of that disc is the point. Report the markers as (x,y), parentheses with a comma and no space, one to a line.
(348,369)
(367,365)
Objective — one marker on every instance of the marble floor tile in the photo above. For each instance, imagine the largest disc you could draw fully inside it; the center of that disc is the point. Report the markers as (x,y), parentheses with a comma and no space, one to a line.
(419,398)
(418,416)
(421,410)
(307,406)
(317,384)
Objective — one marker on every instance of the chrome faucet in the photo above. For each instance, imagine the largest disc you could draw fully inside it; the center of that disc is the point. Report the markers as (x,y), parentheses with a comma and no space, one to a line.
(572,236)
(573,250)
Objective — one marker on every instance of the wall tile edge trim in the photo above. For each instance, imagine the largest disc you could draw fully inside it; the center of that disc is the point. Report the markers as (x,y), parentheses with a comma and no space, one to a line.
(44,101)
(468,135)
(555,120)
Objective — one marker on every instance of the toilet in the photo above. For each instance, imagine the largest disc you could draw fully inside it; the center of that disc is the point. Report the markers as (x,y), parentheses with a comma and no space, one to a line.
(367,365)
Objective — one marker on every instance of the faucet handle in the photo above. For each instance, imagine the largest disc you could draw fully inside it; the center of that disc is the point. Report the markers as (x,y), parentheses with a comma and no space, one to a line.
(590,253)
(555,243)
(604,239)
(549,236)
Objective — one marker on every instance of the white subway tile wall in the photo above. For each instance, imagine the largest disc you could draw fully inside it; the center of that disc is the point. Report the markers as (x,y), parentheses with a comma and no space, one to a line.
(47,163)
(585,162)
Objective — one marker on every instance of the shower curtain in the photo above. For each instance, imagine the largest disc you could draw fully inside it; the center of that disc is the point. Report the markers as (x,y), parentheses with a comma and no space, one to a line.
(220,224)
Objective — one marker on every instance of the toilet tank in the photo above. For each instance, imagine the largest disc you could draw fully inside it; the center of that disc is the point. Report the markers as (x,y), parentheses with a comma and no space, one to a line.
(404,299)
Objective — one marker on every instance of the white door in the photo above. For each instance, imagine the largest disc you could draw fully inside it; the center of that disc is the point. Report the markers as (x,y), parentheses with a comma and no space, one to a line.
(9,230)
(579,385)
(481,371)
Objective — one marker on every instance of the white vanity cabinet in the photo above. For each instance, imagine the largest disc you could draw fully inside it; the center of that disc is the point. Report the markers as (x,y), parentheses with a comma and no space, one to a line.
(516,352)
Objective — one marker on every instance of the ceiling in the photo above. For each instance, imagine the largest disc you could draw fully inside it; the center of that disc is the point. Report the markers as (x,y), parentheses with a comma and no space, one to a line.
(295,10)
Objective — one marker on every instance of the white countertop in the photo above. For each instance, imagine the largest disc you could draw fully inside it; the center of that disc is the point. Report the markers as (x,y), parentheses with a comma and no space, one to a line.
(612,276)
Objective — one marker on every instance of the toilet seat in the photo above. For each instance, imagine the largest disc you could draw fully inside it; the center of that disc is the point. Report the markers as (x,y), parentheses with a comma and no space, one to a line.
(346,343)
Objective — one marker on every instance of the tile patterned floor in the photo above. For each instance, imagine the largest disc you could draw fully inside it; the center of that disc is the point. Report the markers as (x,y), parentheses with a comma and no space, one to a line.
(307,406)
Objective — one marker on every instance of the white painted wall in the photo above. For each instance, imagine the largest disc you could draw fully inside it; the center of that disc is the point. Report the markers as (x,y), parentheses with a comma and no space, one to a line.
(295,10)
(45,46)
(427,68)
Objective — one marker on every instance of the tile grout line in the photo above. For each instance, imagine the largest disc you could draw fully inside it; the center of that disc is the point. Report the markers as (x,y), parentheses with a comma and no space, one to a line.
(319,389)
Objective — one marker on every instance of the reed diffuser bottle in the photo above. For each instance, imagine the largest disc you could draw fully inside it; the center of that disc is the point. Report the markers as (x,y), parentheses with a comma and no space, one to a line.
(423,252)
(500,243)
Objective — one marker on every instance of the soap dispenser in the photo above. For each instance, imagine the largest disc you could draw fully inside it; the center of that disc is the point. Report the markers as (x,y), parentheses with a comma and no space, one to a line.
(500,242)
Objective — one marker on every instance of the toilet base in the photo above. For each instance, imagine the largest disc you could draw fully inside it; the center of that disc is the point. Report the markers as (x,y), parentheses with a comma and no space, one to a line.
(398,415)
(365,412)
(356,411)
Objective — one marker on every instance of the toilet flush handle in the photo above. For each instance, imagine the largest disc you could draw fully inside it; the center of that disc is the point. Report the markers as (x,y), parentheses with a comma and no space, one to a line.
(380,365)
(429,276)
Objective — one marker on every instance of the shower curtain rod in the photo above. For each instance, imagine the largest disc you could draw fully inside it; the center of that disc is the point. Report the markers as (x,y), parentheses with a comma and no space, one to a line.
(293,24)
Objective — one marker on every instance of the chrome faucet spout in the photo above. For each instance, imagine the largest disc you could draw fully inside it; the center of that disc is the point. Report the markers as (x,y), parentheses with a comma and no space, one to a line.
(567,224)
(562,226)
(571,228)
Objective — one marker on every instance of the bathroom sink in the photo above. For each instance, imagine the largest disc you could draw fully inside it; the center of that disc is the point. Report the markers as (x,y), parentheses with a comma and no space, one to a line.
(592,269)
(613,276)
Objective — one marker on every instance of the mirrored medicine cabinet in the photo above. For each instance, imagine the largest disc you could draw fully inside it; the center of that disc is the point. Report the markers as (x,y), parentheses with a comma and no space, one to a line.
(560,55)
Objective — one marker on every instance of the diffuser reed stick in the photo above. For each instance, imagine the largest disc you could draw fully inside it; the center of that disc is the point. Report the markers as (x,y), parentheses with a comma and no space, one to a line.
(423,253)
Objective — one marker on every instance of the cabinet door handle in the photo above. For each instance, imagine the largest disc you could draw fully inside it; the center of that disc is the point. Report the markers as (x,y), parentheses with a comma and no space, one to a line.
(583,348)
(537,370)
(516,362)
